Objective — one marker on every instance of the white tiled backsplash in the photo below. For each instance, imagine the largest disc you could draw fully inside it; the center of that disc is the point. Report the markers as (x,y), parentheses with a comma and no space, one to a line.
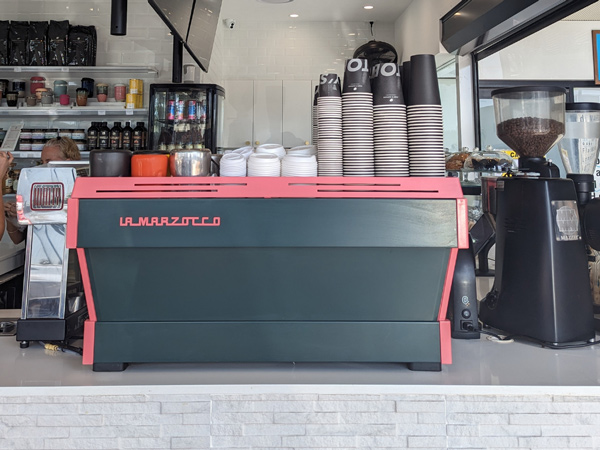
(293,51)
(253,50)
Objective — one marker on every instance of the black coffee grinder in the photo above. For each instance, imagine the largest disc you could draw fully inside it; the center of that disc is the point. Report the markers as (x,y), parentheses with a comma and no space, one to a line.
(541,287)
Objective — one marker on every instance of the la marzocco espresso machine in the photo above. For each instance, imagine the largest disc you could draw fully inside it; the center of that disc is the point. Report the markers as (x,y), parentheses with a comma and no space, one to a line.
(54,307)
(541,288)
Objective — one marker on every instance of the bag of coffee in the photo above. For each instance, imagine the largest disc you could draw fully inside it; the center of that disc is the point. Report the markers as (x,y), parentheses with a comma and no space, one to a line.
(17,35)
(58,32)
(36,43)
(82,46)
(4,55)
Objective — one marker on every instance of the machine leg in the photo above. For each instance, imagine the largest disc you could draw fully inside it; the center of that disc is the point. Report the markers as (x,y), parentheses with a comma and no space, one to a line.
(425,366)
(24,344)
(109,367)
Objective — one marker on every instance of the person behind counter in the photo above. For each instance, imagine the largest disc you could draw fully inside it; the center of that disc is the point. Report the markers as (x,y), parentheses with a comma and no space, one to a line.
(5,161)
(59,149)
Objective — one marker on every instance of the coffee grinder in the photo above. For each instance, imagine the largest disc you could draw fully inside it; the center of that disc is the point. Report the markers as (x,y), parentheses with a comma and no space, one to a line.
(541,287)
(579,153)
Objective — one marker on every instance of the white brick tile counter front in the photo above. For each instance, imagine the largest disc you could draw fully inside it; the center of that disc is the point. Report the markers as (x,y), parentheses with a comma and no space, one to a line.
(494,396)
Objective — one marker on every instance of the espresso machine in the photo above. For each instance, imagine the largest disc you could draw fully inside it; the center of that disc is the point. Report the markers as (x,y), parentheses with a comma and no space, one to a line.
(541,288)
(54,307)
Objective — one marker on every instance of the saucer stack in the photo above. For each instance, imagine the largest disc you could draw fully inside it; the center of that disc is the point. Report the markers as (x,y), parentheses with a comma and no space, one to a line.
(329,124)
(424,118)
(264,165)
(389,122)
(232,165)
(357,120)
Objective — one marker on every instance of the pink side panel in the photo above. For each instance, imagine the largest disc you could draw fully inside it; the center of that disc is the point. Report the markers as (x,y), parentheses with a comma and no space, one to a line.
(445,342)
(462,222)
(87,286)
(447,285)
(72,222)
(89,331)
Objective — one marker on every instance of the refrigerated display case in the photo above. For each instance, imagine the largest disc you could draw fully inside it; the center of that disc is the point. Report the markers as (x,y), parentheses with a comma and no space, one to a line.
(185,116)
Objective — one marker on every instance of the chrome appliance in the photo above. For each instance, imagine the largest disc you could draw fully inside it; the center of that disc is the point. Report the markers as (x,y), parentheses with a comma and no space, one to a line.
(54,307)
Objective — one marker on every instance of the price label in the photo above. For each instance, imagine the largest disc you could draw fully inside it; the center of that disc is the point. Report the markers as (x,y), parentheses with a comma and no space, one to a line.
(511,153)
(17,69)
(64,69)
(129,112)
(101,113)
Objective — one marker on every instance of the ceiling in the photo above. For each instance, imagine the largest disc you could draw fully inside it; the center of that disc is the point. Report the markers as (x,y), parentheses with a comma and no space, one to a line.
(386,11)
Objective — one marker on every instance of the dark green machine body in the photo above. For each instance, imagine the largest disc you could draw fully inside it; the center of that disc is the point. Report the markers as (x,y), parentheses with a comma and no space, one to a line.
(270,280)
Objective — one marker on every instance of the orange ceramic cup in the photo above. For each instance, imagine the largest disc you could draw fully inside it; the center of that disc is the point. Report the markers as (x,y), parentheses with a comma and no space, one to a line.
(149,165)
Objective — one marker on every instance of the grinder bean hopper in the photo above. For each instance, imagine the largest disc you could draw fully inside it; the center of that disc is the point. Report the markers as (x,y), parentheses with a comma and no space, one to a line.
(541,287)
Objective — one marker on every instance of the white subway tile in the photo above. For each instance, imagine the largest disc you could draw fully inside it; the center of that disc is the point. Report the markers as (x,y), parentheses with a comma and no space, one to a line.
(190,443)
(510,430)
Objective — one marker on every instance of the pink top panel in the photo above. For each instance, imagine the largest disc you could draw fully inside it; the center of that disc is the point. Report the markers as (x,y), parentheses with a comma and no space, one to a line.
(267,187)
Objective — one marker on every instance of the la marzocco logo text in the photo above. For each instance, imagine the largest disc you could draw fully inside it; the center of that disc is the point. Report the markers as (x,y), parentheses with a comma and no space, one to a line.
(170,222)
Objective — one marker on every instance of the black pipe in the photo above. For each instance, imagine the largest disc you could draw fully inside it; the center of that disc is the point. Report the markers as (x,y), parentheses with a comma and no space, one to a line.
(177,60)
(118,17)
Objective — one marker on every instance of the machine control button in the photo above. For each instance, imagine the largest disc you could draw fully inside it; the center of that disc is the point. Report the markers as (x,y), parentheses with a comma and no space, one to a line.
(466,313)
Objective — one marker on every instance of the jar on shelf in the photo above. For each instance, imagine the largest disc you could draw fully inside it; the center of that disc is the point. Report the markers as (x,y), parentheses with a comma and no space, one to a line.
(120,92)
(36,83)
(102,92)
(38,133)
(31,100)
(78,134)
(12,98)
(66,133)
(81,144)
(24,145)
(4,85)
(51,134)
(37,145)
(26,134)
(60,87)
(19,87)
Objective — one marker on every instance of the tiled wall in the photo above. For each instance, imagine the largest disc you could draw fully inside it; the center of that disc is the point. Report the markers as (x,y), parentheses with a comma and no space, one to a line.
(294,51)
(159,419)
(147,42)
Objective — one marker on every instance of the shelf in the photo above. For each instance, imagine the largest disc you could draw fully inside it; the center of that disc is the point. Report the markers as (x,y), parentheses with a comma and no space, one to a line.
(38,155)
(92,110)
(117,70)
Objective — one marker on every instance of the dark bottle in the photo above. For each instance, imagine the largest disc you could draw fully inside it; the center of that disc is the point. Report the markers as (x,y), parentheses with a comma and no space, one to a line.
(144,135)
(127,136)
(116,136)
(104,136)
(92,136)
(138,136)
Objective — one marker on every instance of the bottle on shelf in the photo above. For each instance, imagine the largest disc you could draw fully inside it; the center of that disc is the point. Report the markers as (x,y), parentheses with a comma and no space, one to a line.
(138,137)
(104,136)
(92,136)
(116,136)
(127,136)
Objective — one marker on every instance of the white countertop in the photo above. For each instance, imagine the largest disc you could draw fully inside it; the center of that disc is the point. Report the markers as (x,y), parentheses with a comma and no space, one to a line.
(476,363)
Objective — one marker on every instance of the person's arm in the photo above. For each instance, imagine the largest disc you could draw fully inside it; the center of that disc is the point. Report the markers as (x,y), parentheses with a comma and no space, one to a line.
(15,232)
(5,160)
